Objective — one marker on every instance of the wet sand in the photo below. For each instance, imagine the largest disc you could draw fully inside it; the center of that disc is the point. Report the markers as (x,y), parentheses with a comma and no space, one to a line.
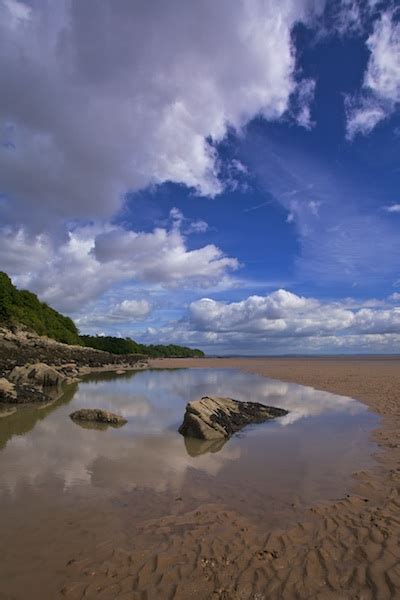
(347,548)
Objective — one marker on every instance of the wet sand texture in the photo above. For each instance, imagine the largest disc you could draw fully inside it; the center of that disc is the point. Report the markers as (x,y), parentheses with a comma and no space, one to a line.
(345,549)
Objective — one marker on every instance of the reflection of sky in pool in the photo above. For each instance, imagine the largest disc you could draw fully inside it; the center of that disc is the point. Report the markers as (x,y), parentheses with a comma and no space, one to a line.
(322,440)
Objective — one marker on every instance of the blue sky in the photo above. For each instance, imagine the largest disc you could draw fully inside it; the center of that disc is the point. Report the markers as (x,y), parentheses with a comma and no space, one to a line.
(217,177)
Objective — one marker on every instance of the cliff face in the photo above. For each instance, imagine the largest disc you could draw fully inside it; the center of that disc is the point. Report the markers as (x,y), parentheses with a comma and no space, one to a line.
(23,309)
(21,347)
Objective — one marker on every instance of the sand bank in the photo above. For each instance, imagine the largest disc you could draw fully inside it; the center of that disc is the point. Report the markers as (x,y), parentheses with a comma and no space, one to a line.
(347,548)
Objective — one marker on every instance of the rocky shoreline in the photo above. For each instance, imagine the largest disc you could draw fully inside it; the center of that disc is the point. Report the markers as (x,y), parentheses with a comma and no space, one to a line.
(36,369)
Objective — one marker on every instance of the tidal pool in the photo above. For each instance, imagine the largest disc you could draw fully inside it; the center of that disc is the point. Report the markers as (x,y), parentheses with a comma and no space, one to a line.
(63,485)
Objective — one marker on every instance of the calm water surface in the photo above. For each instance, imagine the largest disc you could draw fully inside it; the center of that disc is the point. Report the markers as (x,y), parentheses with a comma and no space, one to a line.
(66,490)
(305,456)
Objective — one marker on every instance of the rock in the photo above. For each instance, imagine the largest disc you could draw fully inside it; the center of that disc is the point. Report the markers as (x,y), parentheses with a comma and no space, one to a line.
(38,374)
(7,391)
(69,368)
(97,415)
(213,417)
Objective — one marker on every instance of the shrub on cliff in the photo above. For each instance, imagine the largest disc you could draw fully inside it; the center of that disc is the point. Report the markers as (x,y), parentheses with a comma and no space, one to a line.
(21,307)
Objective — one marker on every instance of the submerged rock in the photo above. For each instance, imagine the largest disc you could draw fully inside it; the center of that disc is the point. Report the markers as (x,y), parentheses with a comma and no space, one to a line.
(38,374)
(214,418)
(97,415)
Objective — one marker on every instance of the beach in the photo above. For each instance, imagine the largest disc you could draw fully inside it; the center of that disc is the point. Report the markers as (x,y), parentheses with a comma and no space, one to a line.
(143,546)
(347,548)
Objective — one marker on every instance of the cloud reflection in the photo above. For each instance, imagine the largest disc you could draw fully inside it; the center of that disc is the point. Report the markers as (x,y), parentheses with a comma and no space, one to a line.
(148,452)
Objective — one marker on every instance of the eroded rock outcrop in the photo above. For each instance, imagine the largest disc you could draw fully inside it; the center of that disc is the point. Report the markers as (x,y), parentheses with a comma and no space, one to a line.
(215,418)
(7,391)
(97,415)
(38,374)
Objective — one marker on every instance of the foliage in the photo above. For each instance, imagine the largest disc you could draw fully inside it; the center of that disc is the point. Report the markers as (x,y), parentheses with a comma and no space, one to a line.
(24,308)
(129,346)
(20,307)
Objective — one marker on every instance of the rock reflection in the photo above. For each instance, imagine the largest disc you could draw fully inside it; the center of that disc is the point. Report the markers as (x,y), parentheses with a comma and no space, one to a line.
(198,447)
(96,426)
(23,420)
(322,436)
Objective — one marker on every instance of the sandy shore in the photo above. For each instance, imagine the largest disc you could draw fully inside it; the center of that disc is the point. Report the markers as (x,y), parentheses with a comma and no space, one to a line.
(348,548)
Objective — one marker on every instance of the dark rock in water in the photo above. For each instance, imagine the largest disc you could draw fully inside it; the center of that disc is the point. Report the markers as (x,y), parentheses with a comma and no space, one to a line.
(214,418)
(97,415)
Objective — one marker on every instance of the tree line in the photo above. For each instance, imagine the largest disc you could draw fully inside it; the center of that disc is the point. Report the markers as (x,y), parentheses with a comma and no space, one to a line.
(21,307)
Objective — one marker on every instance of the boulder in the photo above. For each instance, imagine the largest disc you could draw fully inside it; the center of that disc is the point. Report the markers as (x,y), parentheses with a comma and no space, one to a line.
(38,374)
(214,418)
(7,391)
(97,415)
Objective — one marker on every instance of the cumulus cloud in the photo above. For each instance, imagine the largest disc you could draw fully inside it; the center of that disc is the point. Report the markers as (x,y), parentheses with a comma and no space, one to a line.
(133,309)
(102,98)
(381,86)
(92,259)
(161,256)
(281,313)
(100,320)
(285,322)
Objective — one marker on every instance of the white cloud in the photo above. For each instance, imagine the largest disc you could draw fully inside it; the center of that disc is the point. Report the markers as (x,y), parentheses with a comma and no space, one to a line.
(180,222)
(381,86)
(280,312)
(198,226)
(92,259)
(18,11)
(136,309)
(348,17)
(123,314)
(160,256)
(104,98)
(21,252)
(305,97)
(362,116)
(383,72)
(392,208)
(283,322)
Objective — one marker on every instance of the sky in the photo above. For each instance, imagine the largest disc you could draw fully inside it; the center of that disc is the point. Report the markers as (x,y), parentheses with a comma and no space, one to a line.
(223,175)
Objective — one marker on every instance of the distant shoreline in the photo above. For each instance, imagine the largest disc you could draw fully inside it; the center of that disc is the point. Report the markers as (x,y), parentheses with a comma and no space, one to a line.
(305,356)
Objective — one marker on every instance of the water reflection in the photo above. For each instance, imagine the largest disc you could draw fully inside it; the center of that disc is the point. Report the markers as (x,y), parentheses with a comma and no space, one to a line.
(323,438)
(198,447)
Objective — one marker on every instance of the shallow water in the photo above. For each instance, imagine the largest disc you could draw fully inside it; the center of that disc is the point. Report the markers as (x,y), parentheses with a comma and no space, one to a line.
(61,482)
